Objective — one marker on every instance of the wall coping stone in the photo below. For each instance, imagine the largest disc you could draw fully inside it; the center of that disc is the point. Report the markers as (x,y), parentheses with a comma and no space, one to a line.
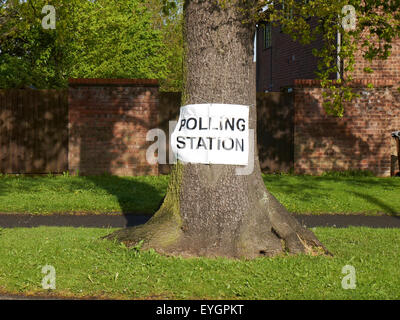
(113,82)
(302,83)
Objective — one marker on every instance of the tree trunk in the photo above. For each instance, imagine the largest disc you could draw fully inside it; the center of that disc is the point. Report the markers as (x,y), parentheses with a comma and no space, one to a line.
(209,210)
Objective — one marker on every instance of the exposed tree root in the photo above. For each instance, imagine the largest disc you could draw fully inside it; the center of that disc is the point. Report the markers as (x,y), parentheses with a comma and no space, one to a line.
(272,232)
(298,239)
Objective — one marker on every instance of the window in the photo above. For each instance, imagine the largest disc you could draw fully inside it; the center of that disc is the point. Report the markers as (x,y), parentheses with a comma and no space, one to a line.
(267,36)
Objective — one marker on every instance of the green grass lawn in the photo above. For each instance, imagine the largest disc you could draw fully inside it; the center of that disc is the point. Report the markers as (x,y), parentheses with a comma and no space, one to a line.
(88,266)
(330,194)
(300,194)
(62,194)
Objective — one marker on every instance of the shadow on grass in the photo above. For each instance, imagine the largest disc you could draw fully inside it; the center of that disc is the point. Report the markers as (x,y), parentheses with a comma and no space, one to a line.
(381,204)
(311,189)
(135,195)
(138,197)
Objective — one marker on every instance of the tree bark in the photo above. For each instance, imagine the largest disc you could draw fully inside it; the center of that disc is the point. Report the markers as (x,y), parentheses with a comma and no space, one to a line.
(209,210)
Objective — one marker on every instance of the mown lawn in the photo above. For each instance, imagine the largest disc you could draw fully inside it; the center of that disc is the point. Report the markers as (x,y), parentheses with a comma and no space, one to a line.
(330,194)
(300,194)
(69,194)
(88,266)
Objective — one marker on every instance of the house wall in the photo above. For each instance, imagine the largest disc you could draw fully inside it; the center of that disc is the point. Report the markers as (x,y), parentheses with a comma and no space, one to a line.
(290,60)
(361,139)
(108,123)
(383,69)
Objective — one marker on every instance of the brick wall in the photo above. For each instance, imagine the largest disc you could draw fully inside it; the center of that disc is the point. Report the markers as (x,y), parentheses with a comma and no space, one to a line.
(109,120)
(108,123)
(383,69)
(360,140)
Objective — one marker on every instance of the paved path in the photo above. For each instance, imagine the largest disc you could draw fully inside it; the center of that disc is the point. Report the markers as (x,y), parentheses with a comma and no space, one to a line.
(343,221)
(129,220)
(68,220)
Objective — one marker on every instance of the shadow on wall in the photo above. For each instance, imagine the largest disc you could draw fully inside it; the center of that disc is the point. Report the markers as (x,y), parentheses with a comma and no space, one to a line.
(169,107)
(108,128)
(275,131)
(360,140)
(33,131)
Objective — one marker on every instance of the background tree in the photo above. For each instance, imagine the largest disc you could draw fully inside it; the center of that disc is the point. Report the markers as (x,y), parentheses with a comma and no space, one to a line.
(28,55)
(104,39)
(115,39)
(168,18)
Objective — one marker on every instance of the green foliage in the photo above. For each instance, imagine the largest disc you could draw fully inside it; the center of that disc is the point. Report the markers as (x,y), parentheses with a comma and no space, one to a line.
(28,53)
(115,39)
(92,39)
(167,17)
(143,39)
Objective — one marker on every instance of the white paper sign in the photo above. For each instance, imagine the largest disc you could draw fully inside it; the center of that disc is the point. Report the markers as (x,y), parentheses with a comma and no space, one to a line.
(212,133)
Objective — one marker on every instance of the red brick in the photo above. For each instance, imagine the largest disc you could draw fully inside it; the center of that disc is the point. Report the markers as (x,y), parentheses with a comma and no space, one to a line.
(108,123)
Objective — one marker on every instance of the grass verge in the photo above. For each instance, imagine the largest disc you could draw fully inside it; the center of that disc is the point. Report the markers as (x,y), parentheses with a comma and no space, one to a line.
(336,194)
(72,194)
(300,194)
(87,266)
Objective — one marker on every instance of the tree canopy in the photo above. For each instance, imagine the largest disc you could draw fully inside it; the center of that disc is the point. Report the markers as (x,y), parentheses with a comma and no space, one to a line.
(168,18)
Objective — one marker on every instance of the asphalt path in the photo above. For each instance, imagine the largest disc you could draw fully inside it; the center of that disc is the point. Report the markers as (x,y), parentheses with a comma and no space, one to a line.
(130,220)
